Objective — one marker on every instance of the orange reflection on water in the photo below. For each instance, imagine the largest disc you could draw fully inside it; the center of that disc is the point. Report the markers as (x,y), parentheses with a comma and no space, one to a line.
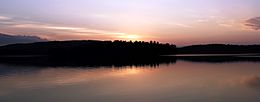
(66,76)
(128,71)
(179,82)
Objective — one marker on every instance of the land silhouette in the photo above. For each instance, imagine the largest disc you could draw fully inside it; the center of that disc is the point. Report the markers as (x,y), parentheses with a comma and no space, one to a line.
(90,48)
(219,49)
(119,53)
(118,48)
(88,53)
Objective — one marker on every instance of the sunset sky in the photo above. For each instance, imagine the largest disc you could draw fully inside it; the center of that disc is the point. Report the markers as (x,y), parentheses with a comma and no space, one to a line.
(182,22)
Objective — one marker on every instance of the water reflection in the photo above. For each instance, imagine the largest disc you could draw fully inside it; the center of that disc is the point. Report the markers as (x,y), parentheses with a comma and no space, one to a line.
(63,76)
(251,82)
(44,61)
(219,59)
(182,81)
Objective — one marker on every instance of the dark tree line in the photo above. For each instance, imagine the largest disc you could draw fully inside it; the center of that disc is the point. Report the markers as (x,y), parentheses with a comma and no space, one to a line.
(90,48)
(118,48)
(219,49)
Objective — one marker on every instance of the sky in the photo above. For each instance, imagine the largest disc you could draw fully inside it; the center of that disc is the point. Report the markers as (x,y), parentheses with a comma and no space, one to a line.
(181,22)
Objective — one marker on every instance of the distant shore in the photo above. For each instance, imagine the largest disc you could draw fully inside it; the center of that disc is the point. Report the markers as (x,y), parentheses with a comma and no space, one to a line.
(124,49)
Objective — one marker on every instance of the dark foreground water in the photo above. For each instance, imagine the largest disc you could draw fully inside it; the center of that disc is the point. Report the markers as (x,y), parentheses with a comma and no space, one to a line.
(182,81)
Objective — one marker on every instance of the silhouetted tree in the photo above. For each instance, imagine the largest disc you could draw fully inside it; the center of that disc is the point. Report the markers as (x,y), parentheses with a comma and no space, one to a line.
(90,48)
(219,49)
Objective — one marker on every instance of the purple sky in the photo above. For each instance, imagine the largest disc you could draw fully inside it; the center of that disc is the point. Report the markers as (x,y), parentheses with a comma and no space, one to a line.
(182,22)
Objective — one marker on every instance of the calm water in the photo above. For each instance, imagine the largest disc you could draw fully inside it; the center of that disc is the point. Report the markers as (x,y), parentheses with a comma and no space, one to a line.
(177,82)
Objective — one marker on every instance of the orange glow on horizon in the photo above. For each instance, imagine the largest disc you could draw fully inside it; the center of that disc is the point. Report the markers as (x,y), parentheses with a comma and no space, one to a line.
(128,37)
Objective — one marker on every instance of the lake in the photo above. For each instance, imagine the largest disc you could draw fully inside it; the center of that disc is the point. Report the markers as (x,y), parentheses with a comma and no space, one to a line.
(179,81)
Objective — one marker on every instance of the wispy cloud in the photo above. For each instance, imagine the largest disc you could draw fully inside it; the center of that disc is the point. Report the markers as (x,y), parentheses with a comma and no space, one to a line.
(182,25)
(179,25)
(73,30)
(226,23)
(216,20)
(253,23)
(4,18)
(59,32)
